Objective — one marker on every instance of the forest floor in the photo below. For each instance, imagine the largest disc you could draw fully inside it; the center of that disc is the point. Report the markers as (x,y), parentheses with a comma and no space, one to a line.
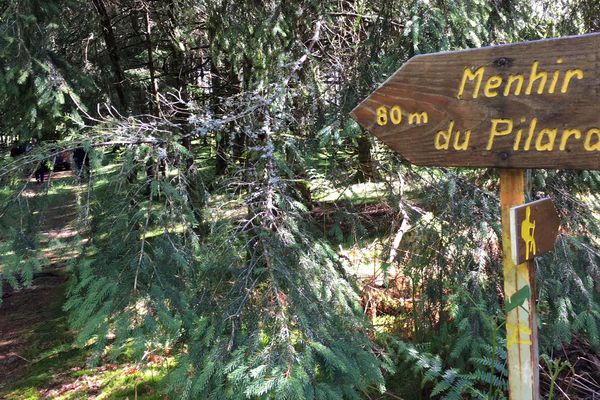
(38,355)
(28,311)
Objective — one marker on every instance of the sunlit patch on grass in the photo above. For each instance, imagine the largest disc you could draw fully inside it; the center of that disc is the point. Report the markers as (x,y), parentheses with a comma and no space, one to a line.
(359,193)
(364,260)
(158,231)
(227,209)
(110,381)
(107,169)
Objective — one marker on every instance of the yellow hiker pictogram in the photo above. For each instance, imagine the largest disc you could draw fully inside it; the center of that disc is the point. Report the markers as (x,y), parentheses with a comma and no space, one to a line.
(528,233)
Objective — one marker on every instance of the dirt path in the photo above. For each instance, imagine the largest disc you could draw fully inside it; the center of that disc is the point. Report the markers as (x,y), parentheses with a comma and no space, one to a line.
(24,311)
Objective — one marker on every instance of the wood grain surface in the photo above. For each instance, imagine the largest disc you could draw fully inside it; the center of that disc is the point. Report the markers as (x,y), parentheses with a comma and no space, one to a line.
(521,322)
(484,91)
(542,214)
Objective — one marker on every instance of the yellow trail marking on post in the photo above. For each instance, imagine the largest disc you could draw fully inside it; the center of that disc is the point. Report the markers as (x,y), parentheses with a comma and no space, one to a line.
(521,325)
(521,269)
(514,332)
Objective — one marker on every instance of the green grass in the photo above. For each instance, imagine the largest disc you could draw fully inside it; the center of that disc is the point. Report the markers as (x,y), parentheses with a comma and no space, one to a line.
(49,350)
(359,193)
(73,383)
(55,363)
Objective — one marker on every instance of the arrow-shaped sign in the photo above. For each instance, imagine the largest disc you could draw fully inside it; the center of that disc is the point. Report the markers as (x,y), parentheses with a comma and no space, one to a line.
(525,105)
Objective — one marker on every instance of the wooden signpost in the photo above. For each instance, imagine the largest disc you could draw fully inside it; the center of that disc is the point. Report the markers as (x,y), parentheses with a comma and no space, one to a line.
(533,229)
(524,105)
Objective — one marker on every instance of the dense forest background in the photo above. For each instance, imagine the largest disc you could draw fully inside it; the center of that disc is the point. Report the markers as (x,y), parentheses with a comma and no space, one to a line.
(237,224)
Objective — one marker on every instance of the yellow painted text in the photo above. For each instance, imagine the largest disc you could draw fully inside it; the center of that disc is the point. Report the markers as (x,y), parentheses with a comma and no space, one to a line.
(536,80)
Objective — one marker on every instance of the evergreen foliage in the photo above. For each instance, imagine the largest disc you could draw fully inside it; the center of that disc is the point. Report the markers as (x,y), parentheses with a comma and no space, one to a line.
(209,128)
(36,99)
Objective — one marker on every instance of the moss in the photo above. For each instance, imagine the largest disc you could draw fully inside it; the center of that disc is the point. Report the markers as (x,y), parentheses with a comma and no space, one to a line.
(57,369)
(26,394)
(57,363)
(120,385)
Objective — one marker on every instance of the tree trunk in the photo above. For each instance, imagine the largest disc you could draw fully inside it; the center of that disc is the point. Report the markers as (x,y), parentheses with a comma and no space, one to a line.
(223,145)
(365,160)
(113,50)
(221,161)
(153,83)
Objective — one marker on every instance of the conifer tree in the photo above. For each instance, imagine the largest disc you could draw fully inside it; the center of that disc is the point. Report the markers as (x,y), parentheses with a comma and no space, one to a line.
(200,239)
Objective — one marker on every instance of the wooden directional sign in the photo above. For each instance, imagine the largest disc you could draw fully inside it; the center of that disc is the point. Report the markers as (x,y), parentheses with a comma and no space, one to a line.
(533,229)
(525,105)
